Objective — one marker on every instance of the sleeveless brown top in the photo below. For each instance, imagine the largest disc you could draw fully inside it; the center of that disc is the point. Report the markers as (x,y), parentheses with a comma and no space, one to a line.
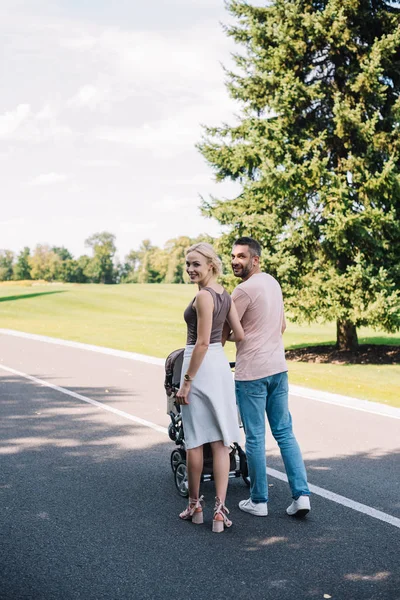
(222,306)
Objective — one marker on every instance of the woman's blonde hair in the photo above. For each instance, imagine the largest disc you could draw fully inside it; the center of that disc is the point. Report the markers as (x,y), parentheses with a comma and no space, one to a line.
(209,254)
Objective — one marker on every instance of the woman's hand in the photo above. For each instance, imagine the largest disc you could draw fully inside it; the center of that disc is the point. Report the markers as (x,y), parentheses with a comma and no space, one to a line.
(183,393)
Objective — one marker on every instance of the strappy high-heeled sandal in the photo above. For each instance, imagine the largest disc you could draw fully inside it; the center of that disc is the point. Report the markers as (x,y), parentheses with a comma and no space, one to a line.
(221,511)
(194,511)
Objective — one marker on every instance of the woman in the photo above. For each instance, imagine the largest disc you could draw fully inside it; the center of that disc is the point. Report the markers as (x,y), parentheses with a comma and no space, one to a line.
(207,392)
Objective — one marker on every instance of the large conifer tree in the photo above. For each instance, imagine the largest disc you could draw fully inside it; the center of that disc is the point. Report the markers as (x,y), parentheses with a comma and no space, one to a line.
(317,153)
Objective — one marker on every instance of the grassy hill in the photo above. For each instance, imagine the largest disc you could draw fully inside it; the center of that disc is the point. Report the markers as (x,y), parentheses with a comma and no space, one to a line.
(148,319)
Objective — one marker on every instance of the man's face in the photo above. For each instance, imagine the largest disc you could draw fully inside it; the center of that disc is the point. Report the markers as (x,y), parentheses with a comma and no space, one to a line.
(242,261)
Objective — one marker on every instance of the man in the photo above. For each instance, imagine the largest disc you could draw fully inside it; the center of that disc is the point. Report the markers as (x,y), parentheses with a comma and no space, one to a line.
(261,380)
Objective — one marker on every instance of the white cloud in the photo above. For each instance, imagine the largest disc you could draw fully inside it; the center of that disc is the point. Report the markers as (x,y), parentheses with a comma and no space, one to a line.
(176,134)
(79,42)
(46,113)
(196,180)
(171,203)
(130,94)
(166,138)
(89,97)
(143,229)
(157,65)
(12,120)
(101,162)
(12,222)
(23,125)
(49,179)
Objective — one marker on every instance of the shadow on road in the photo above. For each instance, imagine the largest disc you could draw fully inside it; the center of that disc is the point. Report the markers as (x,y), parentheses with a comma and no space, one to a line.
(89,510)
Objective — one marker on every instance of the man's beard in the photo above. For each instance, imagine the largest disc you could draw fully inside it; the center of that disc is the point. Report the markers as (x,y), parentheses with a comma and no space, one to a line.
(245,271)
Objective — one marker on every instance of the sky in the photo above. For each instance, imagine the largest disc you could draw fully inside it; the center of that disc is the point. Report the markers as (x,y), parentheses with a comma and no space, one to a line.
(101,107)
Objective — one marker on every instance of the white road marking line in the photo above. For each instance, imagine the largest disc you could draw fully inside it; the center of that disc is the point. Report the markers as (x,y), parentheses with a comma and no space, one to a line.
(80,346)
(111,409)
(374,408)
(317,395)
(357,506)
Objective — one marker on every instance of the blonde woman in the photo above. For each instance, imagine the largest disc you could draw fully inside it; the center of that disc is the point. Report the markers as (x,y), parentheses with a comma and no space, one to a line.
(207,392)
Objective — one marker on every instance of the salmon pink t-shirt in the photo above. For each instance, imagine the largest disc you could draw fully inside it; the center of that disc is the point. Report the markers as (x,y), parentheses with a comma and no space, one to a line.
(259,304)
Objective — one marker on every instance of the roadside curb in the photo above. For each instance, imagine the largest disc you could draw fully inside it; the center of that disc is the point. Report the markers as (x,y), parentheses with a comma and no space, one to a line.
(294,390)
(345,401)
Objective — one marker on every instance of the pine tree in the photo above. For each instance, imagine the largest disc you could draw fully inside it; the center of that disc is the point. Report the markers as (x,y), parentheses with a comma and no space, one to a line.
(317,153)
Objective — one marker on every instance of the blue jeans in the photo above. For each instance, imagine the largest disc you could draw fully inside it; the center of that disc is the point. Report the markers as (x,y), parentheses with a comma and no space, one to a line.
(269,395)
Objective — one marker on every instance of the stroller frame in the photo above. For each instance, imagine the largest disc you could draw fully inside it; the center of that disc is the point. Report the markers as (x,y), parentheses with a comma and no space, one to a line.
(238,461)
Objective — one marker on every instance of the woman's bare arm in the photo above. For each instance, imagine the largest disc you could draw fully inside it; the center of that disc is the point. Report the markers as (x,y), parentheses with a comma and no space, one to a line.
(204,305)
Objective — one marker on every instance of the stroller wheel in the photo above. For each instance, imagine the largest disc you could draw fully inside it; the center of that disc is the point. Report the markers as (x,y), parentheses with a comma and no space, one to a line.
(172,433)
(178,455)
(181,481)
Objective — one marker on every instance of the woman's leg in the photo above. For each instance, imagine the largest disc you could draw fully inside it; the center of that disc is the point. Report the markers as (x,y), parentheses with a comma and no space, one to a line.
(194,511)
(220,468)
(194,470)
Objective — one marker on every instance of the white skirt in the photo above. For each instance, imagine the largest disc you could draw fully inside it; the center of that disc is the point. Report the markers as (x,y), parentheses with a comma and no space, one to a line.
(211,414)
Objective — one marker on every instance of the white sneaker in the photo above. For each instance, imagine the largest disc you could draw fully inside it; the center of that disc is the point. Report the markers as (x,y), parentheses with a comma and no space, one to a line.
(300,507)
(259,510)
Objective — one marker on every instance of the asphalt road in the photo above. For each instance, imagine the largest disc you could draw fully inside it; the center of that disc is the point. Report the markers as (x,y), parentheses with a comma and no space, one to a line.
(89,509)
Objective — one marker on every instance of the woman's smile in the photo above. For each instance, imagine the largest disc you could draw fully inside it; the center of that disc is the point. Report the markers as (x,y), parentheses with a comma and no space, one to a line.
(197,267)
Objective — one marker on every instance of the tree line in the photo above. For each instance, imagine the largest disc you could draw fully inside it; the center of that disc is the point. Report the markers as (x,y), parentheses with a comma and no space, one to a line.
(148,264)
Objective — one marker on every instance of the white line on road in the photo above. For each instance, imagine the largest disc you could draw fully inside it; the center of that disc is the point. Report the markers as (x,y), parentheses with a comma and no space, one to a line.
(301,392)
(111,409)
(357,506)
(362,508)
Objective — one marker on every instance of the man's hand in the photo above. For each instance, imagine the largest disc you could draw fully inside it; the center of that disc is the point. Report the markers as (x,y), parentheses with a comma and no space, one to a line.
(183,393)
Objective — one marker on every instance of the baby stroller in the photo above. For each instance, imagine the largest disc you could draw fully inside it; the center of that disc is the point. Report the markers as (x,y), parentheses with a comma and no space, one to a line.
(238,462)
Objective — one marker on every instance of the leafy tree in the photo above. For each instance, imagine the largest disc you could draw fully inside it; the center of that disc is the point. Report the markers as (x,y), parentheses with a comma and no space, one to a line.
(44,263)
(62,252)
(176,249)
(128,271)
(157,265)
(6,265)
(101,268)
(70,271)
(317,153)
(22,269)
(82,264)
(152,264)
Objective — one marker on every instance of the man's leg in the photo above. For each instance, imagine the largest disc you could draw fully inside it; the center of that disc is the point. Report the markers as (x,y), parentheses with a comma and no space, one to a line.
(280,422)
(250,397)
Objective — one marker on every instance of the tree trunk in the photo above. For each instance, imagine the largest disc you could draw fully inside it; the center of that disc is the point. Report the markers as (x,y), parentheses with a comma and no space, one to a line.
(346,335)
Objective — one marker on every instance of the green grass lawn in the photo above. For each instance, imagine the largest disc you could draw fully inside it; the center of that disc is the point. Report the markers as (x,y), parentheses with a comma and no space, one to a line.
(148,319)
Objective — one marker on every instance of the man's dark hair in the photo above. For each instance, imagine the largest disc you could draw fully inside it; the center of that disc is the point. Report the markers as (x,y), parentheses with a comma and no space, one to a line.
(254,246)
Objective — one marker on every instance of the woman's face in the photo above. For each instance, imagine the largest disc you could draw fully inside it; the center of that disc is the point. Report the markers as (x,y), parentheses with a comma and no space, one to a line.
(197,267)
